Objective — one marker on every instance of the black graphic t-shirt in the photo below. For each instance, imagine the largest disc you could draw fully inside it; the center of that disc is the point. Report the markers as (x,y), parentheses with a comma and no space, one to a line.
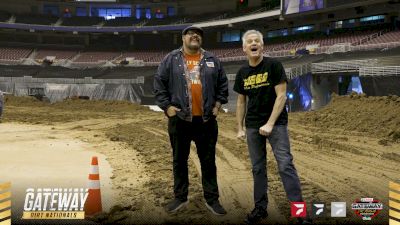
(258,83)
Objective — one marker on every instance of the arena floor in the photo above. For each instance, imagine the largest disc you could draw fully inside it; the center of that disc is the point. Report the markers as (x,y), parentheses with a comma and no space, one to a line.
(348,150)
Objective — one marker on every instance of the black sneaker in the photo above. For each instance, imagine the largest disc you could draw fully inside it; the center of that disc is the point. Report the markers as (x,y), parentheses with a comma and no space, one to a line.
(175,205)
(256,216)
(216,208)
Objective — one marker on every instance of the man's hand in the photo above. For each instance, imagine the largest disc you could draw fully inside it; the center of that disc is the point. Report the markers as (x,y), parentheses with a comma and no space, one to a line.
(216,108)
(215,111)
(171,111)
(241,134)
(266,129)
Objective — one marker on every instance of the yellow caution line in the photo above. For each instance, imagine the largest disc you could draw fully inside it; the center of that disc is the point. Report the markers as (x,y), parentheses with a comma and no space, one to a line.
(393,222)
(6,222)
(4,205)
(394,205)
(394,186)
(5,214)
(394,195)
(5,186)
(5,195)
(394,214)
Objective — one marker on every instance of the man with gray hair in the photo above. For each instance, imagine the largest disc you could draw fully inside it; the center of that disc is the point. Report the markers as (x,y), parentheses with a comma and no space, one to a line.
(263,81)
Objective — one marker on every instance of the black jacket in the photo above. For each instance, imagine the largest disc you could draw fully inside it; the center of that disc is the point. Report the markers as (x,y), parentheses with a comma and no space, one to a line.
(171,85)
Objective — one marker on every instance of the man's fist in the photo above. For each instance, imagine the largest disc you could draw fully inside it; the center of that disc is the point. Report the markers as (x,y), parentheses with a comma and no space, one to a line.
(266,130)
(171,111)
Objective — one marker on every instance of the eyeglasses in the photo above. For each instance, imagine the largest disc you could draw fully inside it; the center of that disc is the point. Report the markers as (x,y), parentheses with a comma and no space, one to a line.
(191,33)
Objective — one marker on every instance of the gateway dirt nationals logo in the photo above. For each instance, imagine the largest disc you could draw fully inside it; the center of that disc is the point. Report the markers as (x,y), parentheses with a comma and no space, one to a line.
(367,208)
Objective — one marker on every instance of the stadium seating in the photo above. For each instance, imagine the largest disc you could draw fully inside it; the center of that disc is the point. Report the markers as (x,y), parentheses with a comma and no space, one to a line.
(164,21)
(246,11)
(122,21)
(386,38)
(227,52)
(94,57)
(204,17)
(4,16)
(82,21)
(148,56)
(123,56)
(327,41)
(36,19)
(14,53)
(59,54)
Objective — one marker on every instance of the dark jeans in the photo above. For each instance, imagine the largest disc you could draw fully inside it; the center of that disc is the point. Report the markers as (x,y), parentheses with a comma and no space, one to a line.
(204,135)
(279,140)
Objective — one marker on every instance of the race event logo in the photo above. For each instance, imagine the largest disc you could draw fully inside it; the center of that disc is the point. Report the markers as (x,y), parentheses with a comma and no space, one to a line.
(367,208)
(298,209)
(338,209)
(318,209)
(55,203)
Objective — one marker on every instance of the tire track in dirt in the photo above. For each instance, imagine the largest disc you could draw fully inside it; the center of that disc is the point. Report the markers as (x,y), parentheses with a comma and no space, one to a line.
(196,210)
(346,152)
(276,192)
(236,174)
(318,185)
(347,170)
(235,185)
(131,176)
(239,155)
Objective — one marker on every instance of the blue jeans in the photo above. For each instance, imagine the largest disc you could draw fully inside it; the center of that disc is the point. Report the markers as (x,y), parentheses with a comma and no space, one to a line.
(279,140)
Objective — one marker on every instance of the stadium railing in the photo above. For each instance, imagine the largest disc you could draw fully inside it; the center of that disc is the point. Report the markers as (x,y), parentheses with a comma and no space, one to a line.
(380,71)
(342,66)
(375,46)
(297,71)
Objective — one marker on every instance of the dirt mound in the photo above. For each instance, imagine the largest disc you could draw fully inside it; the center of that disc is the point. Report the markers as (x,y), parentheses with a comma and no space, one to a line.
(23,101)
(31,110)
(71,104)
(377,116)
(98,105)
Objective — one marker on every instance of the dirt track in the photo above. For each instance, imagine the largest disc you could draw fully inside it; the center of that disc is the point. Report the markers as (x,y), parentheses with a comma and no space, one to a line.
(347,150)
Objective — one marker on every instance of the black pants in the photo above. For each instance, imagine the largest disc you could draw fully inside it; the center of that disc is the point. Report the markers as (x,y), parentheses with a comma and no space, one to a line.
(204,135)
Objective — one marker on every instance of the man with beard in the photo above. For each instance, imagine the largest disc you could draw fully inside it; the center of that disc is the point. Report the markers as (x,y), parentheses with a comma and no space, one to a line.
(190,85)
(263,81)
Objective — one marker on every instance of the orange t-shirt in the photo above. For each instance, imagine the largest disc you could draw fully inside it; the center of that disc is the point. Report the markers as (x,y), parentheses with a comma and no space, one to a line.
(192,62)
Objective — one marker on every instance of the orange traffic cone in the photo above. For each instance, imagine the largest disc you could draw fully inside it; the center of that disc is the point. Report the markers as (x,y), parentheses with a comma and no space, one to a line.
(93,201)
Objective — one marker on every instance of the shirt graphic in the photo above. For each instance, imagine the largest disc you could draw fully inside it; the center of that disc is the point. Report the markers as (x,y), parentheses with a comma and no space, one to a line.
(192,63)
(256,81)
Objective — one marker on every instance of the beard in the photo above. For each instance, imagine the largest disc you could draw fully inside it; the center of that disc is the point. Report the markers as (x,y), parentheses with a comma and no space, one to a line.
(193,47)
